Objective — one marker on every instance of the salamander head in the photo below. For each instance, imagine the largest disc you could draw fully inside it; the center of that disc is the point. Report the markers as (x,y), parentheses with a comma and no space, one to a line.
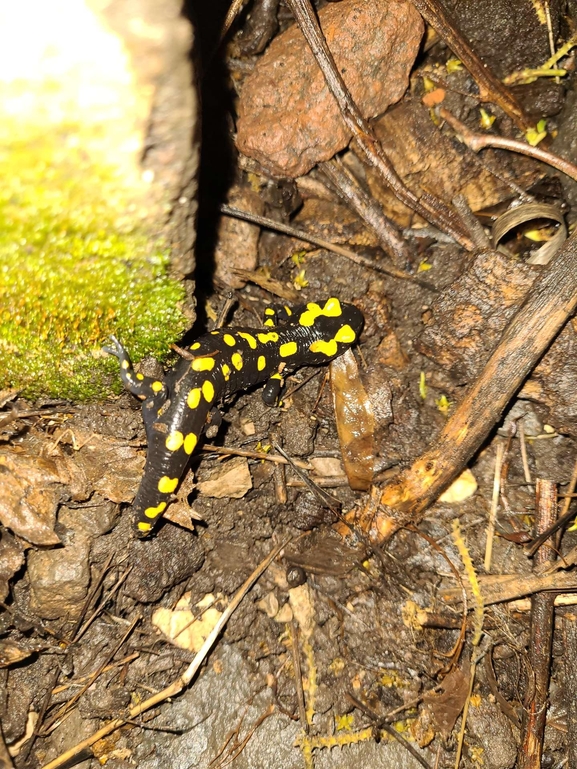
(335,326)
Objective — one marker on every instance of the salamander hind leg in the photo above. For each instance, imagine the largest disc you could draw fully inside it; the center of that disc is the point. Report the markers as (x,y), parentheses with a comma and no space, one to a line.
(277,314)
(272,388)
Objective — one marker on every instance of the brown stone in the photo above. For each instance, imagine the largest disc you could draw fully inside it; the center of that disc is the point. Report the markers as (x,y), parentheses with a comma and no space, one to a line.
(288,119)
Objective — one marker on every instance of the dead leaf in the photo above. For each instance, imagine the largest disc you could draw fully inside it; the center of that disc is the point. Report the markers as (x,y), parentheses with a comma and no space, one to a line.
(187,629)
(29,495)
(327,466)
(355,421)
(231,479)
(446,706)
(462,488)
(11,653)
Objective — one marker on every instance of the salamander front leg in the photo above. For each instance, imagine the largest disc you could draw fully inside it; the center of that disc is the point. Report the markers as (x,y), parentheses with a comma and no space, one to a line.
(272,388)
(143,387)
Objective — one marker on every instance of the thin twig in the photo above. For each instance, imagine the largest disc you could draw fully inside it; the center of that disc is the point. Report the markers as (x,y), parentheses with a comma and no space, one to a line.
(349,190)
(541,642)
(570,684)
(427,205)
(494,505)
(477,142)
(271,224)
(227,451)
(57,717)
(524,457)
(298,676)
(490,86)
(183,680)
(380,723)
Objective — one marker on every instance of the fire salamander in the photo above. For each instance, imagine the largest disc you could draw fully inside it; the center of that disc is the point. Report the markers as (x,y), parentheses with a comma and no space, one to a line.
(220,363)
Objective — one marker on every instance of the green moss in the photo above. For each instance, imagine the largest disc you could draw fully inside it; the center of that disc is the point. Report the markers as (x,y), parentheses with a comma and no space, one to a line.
(74,268)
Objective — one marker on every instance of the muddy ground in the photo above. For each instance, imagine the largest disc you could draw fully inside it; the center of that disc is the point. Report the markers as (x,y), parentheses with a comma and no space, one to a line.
(377,630)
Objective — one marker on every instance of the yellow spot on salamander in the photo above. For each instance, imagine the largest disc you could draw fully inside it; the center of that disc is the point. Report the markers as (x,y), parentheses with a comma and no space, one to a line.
(208,391)
(193,398)
(332,309)
(248,338)
(345,334)
(288,310)
(143,526)
(215,333)
(269,311)
(288,348)
(167,485)
(190,443)
(272,336)
(225,368)
(140,377)
(236,361)
(261,363)
(153,512)
(326,348)
(276,376)
(195,346)
(229,340)
(125,364)
(202,364)
(174,441)
(156,387)
(269,322)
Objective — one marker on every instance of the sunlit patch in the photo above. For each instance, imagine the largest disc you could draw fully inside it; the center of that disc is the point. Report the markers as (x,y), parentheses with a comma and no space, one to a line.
(326,348)
(236,360)
(248,338)
(225,368)
(208,391)
(153,512)
(202,364)
(272,336)
(193,398)
(156,387)
(229,340)
(288,348)
(195,346)
(345,334)
(190,443)
(174,441)
(261,363)
(332,309)
(167,485)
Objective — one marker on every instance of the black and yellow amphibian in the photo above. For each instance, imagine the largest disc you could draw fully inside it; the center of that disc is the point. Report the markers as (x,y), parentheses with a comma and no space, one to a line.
(177,409)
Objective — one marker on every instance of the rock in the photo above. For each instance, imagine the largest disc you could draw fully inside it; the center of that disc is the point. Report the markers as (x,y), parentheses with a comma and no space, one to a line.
(493,731)
(237,241)
(59,579)
(288,119)
(11,559)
